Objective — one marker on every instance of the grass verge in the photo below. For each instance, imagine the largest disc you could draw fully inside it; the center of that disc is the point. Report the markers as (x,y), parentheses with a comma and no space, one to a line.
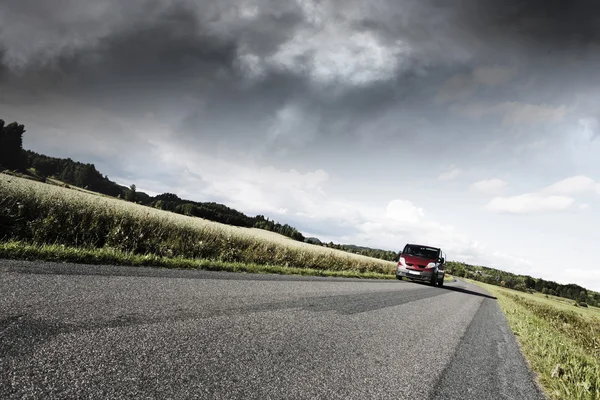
(60,253)
(562,347)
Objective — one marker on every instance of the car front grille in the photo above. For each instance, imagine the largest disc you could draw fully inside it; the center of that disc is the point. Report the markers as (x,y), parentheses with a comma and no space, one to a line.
(418,265)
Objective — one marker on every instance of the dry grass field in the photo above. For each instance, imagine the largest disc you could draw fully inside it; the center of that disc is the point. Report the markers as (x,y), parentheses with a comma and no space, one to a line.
(37,214)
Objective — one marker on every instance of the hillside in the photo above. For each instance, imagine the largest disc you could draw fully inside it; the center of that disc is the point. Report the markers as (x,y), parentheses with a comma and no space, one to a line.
(49,169)
(524,283)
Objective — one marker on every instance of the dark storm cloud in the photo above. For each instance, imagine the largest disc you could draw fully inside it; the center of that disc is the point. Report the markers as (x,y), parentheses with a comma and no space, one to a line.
(151,38)
(553,24)
(240,64)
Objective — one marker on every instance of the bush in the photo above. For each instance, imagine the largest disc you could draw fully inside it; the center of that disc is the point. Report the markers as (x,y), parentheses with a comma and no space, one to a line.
(520,287)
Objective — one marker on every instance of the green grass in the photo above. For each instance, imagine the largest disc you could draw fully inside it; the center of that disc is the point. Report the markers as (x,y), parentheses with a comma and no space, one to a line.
(60,253)
(564,304)
(38,214)
(562,345)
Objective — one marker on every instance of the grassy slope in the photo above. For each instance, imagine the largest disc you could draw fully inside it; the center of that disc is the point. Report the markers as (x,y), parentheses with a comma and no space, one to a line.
(561,344)
(43,218)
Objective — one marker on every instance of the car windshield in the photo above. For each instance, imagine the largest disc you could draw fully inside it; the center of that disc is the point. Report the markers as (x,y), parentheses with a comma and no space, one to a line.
(421,251)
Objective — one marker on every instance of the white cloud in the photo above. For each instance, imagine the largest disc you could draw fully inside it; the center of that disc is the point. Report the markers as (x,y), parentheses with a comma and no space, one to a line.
(513,260)
(590,128)
(300,198)
(584,206)
(242,183)
(329,49)
(529,203)
(404,211)
(450,175)
(573,185)
(554,197)
(489,186)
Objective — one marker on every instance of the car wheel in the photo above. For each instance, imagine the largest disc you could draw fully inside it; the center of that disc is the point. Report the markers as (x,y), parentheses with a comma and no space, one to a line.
(433,279)
(399,277)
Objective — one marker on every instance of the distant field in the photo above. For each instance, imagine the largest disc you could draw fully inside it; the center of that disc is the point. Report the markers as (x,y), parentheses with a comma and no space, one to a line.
(560,341)
(563,304)
(39,214)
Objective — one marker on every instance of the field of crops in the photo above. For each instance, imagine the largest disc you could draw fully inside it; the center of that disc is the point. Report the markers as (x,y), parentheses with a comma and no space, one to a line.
(40,214)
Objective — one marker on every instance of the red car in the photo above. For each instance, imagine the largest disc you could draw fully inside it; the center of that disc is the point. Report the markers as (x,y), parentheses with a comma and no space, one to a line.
(423,263)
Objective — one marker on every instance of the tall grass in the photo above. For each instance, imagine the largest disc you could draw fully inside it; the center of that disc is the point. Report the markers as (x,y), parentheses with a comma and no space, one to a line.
(563,347)
(39,214)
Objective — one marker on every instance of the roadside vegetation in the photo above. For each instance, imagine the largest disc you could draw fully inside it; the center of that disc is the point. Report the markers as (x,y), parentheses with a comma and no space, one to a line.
(525,283)
(36,214)
(61,253)
(562,344)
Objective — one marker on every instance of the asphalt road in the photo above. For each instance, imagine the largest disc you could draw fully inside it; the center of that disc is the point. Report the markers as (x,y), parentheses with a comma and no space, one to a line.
(92,332)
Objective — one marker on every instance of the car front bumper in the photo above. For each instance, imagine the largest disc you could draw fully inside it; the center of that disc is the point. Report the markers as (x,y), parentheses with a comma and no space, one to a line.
(412,274)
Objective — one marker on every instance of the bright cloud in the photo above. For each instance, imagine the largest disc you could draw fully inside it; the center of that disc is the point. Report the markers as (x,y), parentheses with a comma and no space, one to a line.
(529,203)
(404,211)
(450,175)
(489,186)
(329,49)
(555,197)
(300,198)
(573,185)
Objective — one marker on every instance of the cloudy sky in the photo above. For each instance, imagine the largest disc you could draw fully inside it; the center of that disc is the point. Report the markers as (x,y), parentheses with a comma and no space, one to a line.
(473,125)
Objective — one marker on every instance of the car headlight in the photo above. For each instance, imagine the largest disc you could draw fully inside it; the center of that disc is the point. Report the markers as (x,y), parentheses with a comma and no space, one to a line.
(402,261)
(431,265)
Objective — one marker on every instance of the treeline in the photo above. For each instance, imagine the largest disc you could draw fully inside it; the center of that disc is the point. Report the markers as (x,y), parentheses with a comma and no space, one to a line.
(72,172)
(523,283)
(364,251)
(65,170)
(221,213)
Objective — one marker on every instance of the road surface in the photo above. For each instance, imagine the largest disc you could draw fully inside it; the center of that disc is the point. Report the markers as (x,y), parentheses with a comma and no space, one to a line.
(91,332)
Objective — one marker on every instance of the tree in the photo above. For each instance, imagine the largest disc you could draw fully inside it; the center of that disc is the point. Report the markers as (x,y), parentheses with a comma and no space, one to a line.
(130,195)
(529,282)
(520,286)
(11,146)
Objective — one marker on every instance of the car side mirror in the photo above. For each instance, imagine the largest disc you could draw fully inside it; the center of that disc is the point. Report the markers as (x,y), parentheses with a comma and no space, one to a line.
(442,260)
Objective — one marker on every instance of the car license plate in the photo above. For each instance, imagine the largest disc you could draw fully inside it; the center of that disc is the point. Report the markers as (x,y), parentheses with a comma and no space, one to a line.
(414,272)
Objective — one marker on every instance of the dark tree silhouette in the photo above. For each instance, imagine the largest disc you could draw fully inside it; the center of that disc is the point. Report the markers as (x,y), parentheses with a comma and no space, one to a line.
(11,146)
